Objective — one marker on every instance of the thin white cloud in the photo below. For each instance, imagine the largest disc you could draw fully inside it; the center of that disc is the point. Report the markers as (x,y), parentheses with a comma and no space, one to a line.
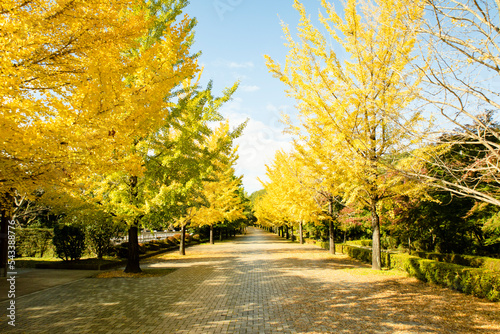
(247,64)
(257,145)
(249,89)
(256,149)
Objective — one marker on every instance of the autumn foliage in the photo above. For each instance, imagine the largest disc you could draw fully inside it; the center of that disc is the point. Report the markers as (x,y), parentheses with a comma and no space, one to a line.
(78,85)
(352,111)
(100,108)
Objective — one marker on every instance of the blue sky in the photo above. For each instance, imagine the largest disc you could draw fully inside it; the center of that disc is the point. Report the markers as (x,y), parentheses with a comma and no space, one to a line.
(234,36)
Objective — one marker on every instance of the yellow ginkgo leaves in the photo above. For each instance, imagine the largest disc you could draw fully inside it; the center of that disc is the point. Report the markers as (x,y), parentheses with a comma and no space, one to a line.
(352,102)
(77,86)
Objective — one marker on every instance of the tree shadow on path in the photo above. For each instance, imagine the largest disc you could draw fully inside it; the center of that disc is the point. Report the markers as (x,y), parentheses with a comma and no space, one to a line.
(256,284)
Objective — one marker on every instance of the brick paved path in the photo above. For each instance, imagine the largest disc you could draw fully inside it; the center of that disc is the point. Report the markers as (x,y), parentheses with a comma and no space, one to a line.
(258,283)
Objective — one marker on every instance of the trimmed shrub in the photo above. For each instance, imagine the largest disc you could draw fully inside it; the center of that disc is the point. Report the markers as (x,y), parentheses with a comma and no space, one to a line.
(69,242)
(483,282)
(365,255)
(362,242)
(177,237)
(463,260)
(362,253)
(324,244)
(33,241)
(162,243)
(475,281)
(150,246)
(172,241)
(197,238)
(358,253)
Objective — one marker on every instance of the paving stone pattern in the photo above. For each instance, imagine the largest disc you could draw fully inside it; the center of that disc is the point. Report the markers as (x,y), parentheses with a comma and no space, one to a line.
(258,283)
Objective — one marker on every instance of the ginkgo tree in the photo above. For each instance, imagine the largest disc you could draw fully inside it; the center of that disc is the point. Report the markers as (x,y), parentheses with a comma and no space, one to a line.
(223,200)
(295,187)
(324,177)
(177,159)
(267,212)
(81,80)
(359,103)
(179,177)
(288,199)
(80,83)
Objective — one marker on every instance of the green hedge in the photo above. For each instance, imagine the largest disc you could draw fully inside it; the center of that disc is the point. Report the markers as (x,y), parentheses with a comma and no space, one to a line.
(479,282)
(172,241)
(463,260)
(365,254)
(323,244)
(483,281)
(87,264)
(363,242)
(356,252)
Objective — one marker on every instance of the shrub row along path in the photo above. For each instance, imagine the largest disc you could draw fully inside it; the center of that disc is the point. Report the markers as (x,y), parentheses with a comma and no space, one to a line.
(256,283)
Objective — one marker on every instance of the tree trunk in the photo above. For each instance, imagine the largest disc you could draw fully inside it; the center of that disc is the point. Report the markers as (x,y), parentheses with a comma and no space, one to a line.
(331,232)
(133,250)
(182,245)
(293,237)
(301,233)
(220,233)
(211,234)
(133,240)
(376,252)
(287,234)
(331,237)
